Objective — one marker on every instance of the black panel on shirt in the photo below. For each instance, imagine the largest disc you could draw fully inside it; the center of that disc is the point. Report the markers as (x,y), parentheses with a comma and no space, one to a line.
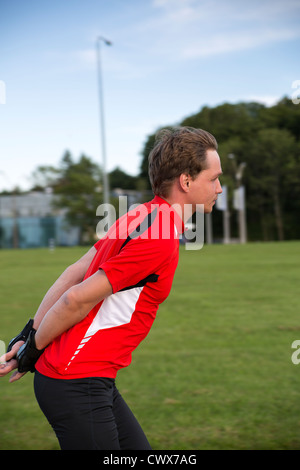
(142,227)
(143,282)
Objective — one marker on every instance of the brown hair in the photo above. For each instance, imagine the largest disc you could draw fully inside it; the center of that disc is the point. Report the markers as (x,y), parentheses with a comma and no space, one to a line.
(181,150)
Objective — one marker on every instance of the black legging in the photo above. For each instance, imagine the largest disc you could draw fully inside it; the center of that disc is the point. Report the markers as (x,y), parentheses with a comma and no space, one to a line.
(88,414)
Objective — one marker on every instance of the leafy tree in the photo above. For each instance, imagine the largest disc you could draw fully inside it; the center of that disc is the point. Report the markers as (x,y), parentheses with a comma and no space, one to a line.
(120,179)
(272,159)
(267,139)
(227,120)
(79,191)
(77,186)
(283,115)
(45,176)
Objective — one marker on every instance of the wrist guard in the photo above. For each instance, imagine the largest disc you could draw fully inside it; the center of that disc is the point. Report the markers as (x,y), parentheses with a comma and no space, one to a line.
(21,336)
(28,354)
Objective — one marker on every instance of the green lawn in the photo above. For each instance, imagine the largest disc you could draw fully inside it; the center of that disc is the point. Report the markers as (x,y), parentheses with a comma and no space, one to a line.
(215,371)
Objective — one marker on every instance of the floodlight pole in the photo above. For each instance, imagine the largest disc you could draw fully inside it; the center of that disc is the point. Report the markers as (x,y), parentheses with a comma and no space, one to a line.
(102,123)
(242,210)
(242,204)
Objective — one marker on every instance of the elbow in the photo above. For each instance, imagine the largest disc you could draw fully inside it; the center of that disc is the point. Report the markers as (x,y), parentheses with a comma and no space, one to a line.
(70,300)
(73,305)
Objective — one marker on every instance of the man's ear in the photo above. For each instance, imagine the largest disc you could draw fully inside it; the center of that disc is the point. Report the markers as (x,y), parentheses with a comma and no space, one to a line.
(184,182)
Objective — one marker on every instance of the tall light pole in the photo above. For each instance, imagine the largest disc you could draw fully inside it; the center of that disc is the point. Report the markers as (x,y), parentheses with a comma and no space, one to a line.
(102,123)
(240,202)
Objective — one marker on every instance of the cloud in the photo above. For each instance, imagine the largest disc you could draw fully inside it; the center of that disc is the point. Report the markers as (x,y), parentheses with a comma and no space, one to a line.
(189,29)
(267,100)
(175,31)
(235,41)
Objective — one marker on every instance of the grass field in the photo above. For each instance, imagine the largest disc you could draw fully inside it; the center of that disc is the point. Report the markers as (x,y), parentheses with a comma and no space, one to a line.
(215,371)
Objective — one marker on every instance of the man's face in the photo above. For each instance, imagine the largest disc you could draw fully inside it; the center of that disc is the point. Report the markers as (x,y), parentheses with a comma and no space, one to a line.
(204,189)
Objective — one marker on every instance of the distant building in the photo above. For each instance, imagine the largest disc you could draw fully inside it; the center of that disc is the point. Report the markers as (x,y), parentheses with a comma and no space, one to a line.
(29,220)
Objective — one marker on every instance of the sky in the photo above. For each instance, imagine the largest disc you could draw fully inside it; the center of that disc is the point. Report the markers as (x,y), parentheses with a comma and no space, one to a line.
(168,59)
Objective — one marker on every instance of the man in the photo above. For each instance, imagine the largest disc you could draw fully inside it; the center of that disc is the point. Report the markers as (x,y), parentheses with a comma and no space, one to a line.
(103,306)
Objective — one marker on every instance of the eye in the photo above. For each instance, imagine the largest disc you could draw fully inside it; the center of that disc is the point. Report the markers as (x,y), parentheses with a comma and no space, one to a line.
(216,178)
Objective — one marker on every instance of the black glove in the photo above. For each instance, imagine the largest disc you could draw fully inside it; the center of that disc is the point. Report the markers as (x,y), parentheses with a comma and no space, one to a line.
(21,336)
(28,354)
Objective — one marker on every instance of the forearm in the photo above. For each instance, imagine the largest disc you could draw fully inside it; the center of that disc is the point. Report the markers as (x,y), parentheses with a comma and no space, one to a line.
(58,311)
(59,318)
(63,283)
(72,307)
(73,275)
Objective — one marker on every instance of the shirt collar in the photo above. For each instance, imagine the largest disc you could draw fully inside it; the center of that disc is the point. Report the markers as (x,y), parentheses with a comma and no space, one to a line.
(179,224)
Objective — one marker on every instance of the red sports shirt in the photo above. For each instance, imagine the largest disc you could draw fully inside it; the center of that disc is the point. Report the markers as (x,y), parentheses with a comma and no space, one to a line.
(139,255)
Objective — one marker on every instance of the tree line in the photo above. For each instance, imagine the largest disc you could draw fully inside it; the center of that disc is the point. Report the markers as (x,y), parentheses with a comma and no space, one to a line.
(266,139)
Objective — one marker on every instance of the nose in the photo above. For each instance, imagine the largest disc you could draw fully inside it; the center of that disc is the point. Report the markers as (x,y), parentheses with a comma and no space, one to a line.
(219,189)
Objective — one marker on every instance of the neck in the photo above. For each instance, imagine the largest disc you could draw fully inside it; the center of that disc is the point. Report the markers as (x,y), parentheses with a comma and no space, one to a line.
(184,210)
